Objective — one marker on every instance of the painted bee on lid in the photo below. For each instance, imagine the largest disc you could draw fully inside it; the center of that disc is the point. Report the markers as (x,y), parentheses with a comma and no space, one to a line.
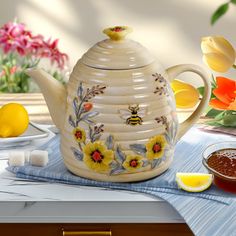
(133,115)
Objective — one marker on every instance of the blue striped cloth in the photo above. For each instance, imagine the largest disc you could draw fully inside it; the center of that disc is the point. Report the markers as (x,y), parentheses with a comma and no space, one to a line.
(212,212)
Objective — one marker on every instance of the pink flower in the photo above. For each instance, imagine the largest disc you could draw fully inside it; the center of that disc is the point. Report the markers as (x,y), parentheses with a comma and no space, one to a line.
(13,70)
(37,43)
(51,51)
(15,38)
(2,73)
(9,36)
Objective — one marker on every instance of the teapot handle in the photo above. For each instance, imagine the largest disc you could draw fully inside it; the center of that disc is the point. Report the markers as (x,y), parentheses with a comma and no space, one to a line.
(172,73)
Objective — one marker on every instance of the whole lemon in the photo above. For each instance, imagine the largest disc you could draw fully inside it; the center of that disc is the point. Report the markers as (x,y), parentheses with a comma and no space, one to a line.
(14,120)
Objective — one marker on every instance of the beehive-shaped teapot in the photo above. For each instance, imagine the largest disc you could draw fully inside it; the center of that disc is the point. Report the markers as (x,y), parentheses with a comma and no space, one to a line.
(117,115)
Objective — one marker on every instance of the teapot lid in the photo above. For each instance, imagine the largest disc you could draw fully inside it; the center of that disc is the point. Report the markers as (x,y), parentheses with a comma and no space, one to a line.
(117,52)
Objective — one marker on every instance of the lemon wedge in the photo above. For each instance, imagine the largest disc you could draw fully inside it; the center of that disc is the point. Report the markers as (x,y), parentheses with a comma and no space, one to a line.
(194,182)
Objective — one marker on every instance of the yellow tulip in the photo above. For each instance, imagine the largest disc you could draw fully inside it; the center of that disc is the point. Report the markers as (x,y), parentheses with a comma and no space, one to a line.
(186,96)
(218,53)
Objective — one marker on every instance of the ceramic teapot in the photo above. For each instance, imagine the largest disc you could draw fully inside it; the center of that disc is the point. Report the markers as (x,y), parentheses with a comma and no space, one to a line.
(117,114)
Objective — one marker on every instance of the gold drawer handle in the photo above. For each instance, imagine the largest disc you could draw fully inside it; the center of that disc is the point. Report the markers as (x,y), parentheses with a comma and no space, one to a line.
(86,233)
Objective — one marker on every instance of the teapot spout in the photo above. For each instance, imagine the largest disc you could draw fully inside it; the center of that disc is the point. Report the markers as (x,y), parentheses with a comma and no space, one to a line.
(54,93)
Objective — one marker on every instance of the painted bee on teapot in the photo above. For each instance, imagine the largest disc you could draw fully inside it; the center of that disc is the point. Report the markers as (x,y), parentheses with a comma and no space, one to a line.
(133,115)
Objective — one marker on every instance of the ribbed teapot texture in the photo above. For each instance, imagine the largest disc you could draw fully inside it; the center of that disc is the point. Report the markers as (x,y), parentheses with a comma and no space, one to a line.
(120,121)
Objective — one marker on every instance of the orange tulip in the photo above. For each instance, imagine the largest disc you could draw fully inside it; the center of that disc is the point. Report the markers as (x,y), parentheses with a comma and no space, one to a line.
(225,93)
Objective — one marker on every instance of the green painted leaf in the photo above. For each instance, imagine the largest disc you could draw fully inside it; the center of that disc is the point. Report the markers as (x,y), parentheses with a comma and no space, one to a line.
(138,148)
(110,142)
(115,165)
(89,115)
(168,137)
(71,121)
(96,137)
(120,156)
(89,122)
(156,162)
(77,153)
(80,91)
(117,171)
(145,163)
(220,11)
(75,105)
(90,132)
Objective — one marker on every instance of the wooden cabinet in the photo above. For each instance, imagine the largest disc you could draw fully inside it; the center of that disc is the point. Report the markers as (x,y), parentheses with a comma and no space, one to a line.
(94,229)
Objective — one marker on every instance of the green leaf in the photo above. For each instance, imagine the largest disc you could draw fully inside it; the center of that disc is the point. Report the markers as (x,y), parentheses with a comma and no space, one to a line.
(233,1)
(213,123)
(213,82)
(220,11)
(201,90)
(208,109)
(213,113)
(220,116)
(229,120)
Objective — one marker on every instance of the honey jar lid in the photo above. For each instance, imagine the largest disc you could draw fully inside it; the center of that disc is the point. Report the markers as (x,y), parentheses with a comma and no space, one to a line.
(117,52)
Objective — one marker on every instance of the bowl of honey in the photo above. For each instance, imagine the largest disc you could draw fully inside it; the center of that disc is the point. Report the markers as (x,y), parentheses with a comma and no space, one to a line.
(220,160)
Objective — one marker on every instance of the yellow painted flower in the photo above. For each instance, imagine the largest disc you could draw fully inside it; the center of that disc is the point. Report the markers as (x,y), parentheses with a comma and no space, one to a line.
(97,157)
(133,162)
(186,96)
(118,32)
(79,134)
(218,53)
(155,147)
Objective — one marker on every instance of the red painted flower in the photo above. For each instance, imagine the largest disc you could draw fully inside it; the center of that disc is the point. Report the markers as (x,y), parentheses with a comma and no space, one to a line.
(225,93)
(155,147)
(97,157)
(88,106)
(117,29)
(133,162)
(79,134)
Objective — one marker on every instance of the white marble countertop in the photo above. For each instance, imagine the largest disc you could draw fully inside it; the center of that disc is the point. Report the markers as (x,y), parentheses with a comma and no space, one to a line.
(41,202)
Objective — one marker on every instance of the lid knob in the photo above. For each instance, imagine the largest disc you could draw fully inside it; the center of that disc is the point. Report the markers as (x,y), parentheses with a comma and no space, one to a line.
(118,32)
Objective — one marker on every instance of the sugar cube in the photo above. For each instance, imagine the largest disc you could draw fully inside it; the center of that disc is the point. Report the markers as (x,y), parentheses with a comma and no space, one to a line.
(16,158)
(39,158)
